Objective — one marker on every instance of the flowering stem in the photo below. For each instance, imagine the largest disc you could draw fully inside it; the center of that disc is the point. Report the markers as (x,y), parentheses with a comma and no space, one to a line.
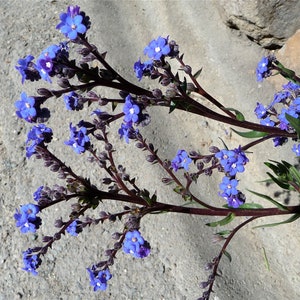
(223,250)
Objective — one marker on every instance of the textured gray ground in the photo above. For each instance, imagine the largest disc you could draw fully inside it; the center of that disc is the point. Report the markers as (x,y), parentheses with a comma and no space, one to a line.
(181,245)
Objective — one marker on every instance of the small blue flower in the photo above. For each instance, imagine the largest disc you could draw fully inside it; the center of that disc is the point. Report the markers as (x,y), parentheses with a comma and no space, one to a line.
(98,279)
(26,108)
(263,69)
(142,69)
(71,23)
(232,161)
(228,186)
(181,160)
(37,193)
(26,218)
(267,122)
(37,135)
(279,141)
(157,48)
(31,261)
(296,149)
(125,130)
(260,111)
(135,244)
(28,69)
(74,228)
(71,101)
(234,201)
(130,110)
(79,139)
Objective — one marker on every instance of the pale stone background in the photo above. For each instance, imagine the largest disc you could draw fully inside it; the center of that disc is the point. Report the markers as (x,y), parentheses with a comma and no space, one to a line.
(181,245)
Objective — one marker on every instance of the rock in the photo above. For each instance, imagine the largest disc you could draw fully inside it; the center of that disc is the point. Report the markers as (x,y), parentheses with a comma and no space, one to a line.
(267,22)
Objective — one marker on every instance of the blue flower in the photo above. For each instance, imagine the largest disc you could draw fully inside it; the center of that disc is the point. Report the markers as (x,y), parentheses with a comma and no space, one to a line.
(296,149)
(28,69)
(26,108)
(279,141)
(260,110)
(267,122)
(98,279)
(71,101)
(79,139)
(125,130)
(263,69)
(37,193)
(26,218)
(135,244)
(74,228)
(232,161)
(181,160)
(157,48)
(130,110)
(142,69)
(234,201)
(31,261)
(228,186)
(37,135)
(71,23)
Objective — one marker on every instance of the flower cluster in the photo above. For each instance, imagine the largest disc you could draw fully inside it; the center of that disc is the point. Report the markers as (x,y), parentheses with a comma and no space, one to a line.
(135,244)
(49,63)
(26,218)
(232,162)
(98,279)
(181,160)
(285,104)
(79,139)
(157,50)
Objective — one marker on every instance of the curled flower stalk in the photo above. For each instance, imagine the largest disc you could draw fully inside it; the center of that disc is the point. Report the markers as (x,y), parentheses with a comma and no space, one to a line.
(94,139)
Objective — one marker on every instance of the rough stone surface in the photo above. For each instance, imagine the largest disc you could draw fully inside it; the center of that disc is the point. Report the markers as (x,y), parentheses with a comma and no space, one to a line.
(267,22)
(181,245)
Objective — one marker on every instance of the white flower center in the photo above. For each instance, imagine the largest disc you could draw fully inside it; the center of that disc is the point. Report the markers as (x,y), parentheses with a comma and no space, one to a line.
(157,49)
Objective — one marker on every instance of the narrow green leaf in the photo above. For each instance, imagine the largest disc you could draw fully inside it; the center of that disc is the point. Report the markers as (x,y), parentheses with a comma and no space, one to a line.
(222,222)
(227,255)
(224,232)
(197,73)
(279,182)
(295,174)
(250,206)
(172,106)
(266,259)
(238,114)
(295,122)
(279,205)
(289,220)
(250,134)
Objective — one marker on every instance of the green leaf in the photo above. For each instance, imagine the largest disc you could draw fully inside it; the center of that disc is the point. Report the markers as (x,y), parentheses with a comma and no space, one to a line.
(295,122)
(285,72)
(227,255)
(197,73)
(289,220)
(250,134)
(222,222)
(266,259)
(238,114)
(279,182)
(279,205)
(224,232)
(172,106)
(250,206)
